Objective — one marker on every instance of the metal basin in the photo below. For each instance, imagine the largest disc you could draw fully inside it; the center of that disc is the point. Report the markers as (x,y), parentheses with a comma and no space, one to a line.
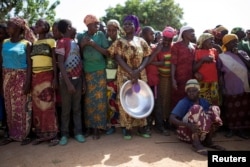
(137,104)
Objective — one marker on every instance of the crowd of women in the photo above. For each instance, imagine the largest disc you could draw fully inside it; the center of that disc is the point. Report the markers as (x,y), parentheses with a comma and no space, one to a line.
(56,82)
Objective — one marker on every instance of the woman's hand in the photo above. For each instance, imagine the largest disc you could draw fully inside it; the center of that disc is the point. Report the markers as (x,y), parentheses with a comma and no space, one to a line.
(174,84)
(135,75)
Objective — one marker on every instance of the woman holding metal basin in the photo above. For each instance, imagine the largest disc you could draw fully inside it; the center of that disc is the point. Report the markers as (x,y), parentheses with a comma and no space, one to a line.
(131,53)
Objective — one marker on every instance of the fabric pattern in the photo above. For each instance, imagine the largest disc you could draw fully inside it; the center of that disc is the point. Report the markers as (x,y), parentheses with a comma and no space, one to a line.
(132,52)
(18,118)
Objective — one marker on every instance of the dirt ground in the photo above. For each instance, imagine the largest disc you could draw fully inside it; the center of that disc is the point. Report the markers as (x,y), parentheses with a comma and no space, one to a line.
(112,151)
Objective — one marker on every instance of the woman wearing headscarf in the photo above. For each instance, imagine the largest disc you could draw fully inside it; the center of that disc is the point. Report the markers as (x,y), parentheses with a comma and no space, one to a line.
(131,53)
(16,63)
(219,32)
(182,57)
(113,33)
(196,120)
(205,68)
(93,44)
(235,87)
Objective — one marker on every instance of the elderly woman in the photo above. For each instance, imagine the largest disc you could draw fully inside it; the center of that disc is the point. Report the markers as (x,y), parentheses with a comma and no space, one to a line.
(205,68)
(16,64)
(196,119)
(234,78)
(131,53)
(93,45)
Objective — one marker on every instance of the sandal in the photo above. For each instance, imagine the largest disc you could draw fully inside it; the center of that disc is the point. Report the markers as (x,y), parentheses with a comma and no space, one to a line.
(26,141)
(53,142)
(200,150)
(6,141)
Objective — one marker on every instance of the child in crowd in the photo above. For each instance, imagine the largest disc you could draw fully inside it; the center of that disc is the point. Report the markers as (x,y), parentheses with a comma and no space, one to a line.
(71,81)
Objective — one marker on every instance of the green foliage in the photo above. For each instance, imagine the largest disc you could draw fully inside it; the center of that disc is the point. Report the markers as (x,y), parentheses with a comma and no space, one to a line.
(155,13)
(31,10)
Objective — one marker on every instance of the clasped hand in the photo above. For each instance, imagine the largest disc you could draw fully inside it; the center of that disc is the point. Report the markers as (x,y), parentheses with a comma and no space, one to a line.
(134,75)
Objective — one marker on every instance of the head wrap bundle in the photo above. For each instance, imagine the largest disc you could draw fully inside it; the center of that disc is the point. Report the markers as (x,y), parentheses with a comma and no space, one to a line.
(90,19)
(114,22)
(192,83)
(184,28)
(169,32)
(135,20)
(237,29)
(203,38)
(226,39)
(28,33)
(217,31)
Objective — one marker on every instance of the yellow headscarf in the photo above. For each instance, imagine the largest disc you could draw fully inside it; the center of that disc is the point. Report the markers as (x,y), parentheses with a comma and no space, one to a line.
(226,39)
(203,38)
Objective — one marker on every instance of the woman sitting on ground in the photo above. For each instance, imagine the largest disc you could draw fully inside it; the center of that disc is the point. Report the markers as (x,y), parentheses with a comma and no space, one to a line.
(196,119)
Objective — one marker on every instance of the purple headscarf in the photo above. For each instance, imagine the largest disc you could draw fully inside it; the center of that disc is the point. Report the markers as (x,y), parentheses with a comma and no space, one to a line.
(135,20)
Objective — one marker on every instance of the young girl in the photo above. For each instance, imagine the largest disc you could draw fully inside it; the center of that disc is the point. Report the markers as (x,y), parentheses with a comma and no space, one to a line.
(16,66)
(164,90)
(43,85)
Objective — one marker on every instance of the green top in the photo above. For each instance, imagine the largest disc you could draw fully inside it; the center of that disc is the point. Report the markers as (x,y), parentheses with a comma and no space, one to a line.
(93,60)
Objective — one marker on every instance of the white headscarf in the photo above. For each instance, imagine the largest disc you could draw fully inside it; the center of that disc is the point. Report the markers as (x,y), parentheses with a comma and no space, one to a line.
(184,28)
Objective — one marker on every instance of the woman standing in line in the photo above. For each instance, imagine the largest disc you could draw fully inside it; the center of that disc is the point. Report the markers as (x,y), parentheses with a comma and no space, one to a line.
(205,68)
(131,53)
(234,78)
(16,63)
(44,83)
(93,45)
(113,33)
(182,57)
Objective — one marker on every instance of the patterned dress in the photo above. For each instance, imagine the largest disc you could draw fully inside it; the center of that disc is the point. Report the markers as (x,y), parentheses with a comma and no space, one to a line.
(43,94)
(14,77)
(182,57)
(95,99)
(132,52)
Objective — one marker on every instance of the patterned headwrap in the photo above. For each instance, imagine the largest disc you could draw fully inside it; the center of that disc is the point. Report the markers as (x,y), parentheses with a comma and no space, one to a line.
(192,83)
(114,22)
(135,20)
(217,31)
(28,33)
(184,28)
(90,19)
(237,29)
(226,39)
(169,32)
(203,38)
